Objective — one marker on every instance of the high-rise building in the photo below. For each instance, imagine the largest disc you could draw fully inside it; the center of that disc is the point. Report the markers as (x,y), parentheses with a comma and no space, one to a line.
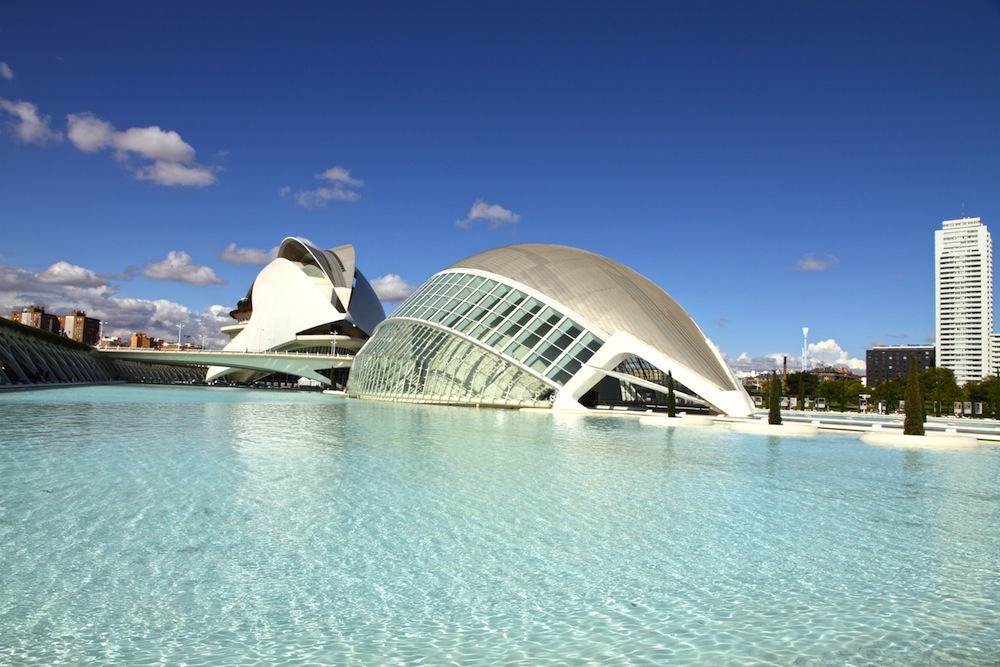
(888,362)
(81,328)
(963,297)
(35,316)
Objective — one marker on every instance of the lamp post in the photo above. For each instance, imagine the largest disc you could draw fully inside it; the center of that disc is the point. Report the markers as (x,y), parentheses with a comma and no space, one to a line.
(805,348)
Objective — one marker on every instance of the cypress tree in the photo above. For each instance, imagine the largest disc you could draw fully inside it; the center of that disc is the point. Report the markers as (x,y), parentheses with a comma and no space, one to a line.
(913,423)
(774,400)
(671,399)
(937,390)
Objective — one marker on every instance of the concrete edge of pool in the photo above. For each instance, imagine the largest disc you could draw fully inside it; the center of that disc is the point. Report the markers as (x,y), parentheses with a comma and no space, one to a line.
(888,433)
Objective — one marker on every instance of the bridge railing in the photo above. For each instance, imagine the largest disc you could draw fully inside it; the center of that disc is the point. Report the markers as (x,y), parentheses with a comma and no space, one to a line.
(310,352)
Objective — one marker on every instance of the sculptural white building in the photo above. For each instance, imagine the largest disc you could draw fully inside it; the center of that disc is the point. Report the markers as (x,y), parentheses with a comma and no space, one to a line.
(542,326)
(306,299)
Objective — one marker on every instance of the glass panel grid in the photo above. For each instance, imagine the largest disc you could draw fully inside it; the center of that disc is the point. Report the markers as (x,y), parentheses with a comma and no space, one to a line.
(506,319)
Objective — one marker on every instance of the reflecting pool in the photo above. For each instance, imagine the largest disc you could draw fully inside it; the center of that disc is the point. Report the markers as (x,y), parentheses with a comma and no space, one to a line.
(169,525)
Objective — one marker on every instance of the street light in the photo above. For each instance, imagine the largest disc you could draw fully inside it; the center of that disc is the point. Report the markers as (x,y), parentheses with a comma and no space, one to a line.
(805,349)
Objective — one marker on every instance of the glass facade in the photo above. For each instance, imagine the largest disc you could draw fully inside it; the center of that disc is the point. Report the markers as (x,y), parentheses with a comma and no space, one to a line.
(416,354)
(642,369)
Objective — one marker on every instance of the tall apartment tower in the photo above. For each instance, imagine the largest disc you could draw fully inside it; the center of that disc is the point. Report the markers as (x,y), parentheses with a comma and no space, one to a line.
(963,297)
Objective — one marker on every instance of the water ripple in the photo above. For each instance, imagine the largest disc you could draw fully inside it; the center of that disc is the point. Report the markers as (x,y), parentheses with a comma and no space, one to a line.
(154,526)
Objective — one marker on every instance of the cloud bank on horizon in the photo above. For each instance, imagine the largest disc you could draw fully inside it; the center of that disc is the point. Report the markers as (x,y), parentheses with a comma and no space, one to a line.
(63,287)
(823,353)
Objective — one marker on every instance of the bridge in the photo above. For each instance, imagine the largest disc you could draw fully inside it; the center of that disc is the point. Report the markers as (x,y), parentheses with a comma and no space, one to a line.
(303,364)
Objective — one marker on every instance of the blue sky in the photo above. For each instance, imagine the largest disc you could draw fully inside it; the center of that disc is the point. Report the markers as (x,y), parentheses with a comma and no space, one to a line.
(771,165)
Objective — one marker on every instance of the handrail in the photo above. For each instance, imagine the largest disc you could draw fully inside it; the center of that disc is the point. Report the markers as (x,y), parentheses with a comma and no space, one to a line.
(146,350)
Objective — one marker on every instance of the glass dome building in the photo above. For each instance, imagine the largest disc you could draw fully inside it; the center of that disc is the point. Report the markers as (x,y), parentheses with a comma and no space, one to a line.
(543,326)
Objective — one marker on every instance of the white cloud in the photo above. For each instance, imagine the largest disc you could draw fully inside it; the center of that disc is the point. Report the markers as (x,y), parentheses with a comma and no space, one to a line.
(163,172)
(160,318)
(178,267)
(248,255)
(5,71)
(812,263)
(823,353)
(392,288)
(173,159)
(747,364)
(89,133)
(341,187)
(64,287)
(494,214)
(341,176)
(16,281)
(829,353)
(30,127)
(64,273)
(155,144)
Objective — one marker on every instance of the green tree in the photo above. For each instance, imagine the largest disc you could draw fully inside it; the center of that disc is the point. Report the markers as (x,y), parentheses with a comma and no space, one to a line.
(840,392)
(913,423)
(939,385)
(889,391)
(774,400)
(996,395)
(802,385)
(671,399)
(983,391)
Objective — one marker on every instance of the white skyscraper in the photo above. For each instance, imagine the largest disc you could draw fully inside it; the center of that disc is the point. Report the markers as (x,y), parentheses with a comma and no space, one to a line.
(963,297)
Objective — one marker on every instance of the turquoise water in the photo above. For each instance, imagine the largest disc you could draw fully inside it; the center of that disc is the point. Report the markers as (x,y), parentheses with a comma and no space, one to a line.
(199,526)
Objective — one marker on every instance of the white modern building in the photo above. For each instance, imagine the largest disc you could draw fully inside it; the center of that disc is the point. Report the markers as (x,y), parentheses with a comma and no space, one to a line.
(305,300)
(543,326)
(963,291)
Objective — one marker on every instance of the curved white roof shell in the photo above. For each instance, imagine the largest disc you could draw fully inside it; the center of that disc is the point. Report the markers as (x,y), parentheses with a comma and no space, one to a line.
(306,298)
(611,296)
(550,323)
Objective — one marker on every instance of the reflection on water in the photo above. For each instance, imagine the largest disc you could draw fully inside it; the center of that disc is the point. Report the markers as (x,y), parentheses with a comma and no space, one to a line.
(189,525)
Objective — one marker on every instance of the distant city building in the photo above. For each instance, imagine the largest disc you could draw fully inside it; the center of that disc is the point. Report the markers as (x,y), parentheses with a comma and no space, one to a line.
(140,339)
(111,342)
(963,298)
(76,325)
(888,362)
(35,316)
(829,373)
(80,328)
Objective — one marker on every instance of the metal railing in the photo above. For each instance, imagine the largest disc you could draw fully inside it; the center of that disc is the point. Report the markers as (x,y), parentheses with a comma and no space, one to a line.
(311,353)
